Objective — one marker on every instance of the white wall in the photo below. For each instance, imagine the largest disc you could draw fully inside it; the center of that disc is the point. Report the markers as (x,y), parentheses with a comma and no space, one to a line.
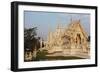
(5,35)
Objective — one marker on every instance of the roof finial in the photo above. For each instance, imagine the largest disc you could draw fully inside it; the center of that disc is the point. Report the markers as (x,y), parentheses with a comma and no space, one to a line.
(79,20)
(71,19)
(58,24)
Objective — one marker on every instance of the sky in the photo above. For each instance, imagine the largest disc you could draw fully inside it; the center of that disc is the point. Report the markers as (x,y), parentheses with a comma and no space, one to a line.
(48,21)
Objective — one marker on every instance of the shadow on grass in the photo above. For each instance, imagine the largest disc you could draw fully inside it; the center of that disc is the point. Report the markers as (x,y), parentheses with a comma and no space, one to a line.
(62,57)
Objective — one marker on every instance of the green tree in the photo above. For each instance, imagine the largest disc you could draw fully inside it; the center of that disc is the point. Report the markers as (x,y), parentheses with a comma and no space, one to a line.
(30,39)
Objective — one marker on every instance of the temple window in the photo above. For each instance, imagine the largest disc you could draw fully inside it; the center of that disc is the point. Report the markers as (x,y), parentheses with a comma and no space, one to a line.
(79,38)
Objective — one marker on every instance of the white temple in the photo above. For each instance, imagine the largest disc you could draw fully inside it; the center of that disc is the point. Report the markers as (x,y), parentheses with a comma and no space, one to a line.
(71,40)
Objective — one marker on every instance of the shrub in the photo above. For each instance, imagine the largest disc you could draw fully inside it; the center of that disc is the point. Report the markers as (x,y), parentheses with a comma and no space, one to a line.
(41,55)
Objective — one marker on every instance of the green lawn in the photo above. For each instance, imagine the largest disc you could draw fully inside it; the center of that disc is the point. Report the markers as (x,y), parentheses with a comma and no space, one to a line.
(42,56)
(62,58)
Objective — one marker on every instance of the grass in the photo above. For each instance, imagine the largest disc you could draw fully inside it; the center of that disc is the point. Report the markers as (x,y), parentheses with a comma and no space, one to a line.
(41,56)
(62,57)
